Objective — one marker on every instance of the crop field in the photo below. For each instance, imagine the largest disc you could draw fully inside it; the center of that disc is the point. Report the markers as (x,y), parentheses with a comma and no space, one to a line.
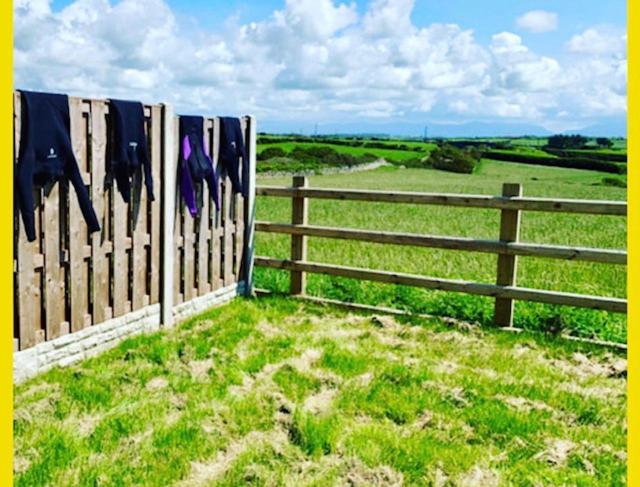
(546,228)
(276,391)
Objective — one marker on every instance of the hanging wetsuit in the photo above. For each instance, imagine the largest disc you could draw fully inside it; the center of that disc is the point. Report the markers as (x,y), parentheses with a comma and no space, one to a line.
(46,156)
(130,152)
(195,165)
(231,149)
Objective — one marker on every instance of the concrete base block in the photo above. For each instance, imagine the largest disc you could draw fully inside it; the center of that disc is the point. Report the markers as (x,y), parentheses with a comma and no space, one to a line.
(74,347)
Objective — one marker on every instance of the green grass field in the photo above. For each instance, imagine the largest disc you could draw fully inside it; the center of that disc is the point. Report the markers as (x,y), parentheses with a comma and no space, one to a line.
(390,155)
(278,392)
(549,228)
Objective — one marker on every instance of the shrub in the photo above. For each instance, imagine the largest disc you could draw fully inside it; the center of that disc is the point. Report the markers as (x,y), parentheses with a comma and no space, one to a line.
(567,141)
(570,162)
(270,153)
(615,182)
(589,154)
(448,158)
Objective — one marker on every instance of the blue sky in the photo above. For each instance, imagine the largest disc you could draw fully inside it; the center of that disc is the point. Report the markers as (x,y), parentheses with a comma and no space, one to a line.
(485,17)
(554,64)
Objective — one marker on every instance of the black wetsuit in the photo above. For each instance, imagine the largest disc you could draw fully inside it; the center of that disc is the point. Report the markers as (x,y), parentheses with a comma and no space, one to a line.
(46,156)
(195,165)
(130,152)
(231,150)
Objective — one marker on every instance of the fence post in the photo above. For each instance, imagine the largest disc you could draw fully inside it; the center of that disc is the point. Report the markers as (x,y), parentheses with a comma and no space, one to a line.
(299,211)
(168,210)
(507,264)
(250,209)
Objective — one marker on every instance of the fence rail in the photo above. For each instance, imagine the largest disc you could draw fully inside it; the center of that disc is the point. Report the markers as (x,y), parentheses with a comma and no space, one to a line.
(146,252)
(593,207)
(508,248)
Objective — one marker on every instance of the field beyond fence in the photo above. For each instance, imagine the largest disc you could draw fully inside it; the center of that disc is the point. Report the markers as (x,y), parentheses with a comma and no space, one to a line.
(508,245)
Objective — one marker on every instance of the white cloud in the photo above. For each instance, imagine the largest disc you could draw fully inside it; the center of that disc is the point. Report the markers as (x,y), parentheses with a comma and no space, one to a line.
(538,21)
(601,40)
(314,61)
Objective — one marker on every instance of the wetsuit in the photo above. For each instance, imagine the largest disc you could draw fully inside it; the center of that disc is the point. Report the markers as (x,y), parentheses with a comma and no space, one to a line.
(231,150)
(130,152)
(195,165)
(46,156)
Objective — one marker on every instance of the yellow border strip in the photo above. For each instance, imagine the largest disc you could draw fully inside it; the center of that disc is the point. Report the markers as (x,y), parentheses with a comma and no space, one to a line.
(633,280)
(6,243)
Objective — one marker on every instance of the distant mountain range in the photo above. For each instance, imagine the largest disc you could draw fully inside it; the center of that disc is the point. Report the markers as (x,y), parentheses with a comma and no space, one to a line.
(614,127)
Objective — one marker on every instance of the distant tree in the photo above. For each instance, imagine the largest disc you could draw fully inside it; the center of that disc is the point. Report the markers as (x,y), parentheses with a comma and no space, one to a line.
(270,153)
(567,142)
(448,158)
(604,142)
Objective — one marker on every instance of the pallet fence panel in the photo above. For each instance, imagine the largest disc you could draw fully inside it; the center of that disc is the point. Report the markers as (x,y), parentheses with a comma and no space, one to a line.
(101,242)
(146,252)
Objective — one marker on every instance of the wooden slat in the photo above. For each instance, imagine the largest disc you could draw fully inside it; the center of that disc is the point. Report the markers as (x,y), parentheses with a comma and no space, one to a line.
(550,297)
(53,272)
(249,210)
(606,256)
(28,299)
(238,205)
(120,217)
(178,243)
(139,235)
(188,234)
(204,228)
(100,198)
(156,163)
(594,207)
(227,222)
(78,270)
(217,229)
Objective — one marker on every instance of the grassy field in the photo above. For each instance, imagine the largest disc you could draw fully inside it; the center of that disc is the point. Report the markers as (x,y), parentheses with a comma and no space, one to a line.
(388,154)
(278,392)
(549,228)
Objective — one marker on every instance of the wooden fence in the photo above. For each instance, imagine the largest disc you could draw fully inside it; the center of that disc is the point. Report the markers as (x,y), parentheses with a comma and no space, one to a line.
(508,247)
(68,280)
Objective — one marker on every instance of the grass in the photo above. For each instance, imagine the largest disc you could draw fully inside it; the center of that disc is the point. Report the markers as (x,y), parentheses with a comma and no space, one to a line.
(339,399)
(544,228)
(390,155)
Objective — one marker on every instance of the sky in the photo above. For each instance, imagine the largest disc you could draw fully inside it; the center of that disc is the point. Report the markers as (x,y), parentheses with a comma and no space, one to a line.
(336,65)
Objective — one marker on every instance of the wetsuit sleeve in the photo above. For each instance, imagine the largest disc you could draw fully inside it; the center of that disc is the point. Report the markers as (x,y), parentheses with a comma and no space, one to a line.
(73,174)
(187,188)
(148,178)
(212,179)
(24,183)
